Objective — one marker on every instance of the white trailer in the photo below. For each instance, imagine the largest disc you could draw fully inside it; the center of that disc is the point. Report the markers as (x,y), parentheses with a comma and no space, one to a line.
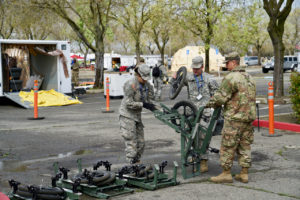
(32,56)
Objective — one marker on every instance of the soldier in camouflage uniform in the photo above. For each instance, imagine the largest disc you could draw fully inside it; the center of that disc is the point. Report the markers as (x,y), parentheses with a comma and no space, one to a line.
(237,93)
(201,86)
(138,93)
(158,81)
(75,73)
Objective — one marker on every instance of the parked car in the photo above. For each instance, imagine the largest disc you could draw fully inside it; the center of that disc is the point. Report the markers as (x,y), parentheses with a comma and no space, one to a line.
(251,60)
(289,63)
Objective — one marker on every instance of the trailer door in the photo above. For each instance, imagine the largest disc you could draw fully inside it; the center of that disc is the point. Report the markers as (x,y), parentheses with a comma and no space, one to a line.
(64,84)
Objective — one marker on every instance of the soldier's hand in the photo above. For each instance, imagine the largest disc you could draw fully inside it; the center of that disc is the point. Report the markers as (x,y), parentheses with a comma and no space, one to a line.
(149,106)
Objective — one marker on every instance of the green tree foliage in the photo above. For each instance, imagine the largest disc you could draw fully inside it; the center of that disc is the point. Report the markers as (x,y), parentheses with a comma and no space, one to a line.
(291,35)
(201,17)
(7,24)
(133,15)
(161,24)
(86,18)
(295,93)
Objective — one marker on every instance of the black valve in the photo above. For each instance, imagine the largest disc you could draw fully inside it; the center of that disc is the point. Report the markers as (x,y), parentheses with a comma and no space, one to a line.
(213,150)
(64,171)
(97,165)
(162,166)
(55,178)
(75,185)
(90,179)
(33,190)
(107,165)
(14,184)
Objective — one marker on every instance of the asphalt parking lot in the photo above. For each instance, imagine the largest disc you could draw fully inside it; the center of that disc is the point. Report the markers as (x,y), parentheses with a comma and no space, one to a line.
(29,148)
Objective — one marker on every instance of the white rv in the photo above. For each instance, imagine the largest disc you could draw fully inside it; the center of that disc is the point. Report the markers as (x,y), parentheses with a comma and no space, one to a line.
(48,60)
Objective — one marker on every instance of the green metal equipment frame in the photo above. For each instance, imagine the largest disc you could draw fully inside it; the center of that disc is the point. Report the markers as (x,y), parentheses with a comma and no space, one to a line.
(195,138)
(159,180)
(104,192)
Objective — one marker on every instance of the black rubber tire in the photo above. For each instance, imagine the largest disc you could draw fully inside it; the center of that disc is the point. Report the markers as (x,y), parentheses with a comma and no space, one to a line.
(41,196)
(294,68)
(111,179)
(44,190)
(265,70)
(147,168)
(177,83)
(102,176)
(190,116)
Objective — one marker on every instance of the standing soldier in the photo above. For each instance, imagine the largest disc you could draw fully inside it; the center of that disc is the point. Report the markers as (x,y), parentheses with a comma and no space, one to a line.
(201,86)
(237,93)
(75,72)
(158,74)
(138,93)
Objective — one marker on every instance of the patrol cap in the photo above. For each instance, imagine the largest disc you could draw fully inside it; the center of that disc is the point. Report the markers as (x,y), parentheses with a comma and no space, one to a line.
(197,62)
(144,71)
(232,56)
(142,59)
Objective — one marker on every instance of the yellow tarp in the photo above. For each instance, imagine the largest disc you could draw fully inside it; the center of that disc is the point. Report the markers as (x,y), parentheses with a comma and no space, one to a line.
(49,98)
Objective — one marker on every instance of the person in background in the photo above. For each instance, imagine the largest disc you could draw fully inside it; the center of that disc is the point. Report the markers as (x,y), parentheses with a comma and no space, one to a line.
(75,72)
(158,74)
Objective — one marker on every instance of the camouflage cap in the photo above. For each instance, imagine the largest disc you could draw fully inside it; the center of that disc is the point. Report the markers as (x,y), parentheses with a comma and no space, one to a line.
(232,56)
(142,59)
(197,62)
(144,71)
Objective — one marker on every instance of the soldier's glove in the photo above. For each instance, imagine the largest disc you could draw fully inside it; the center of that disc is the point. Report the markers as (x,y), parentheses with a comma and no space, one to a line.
(149,106)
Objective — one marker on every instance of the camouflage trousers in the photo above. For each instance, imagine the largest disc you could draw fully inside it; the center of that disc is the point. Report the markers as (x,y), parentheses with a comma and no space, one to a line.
(158,83)
(204,121)
(133,134)
(75,77)
(236,138)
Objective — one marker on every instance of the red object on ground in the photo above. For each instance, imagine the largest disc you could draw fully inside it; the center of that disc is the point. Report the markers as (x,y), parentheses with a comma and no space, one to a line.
(123,68)
(279,125)
(3,196)
(77,57)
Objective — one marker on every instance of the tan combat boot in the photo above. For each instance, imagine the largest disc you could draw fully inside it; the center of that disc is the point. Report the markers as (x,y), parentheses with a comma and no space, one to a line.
(243,176)
(203,166)
(224,177)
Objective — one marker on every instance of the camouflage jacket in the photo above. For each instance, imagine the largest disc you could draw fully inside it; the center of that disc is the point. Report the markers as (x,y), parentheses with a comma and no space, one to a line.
(237,93)
(134,93)
(207,87)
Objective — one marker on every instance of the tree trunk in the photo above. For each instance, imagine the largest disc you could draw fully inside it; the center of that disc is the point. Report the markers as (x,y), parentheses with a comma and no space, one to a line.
(278,68)
(99,59)
(85,56)
(207,48)
(138,51)
(258,48)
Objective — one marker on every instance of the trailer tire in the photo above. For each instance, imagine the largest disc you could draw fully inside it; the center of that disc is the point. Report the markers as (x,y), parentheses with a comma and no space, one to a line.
(111,179)
(98,177)
(191,115)
(178,83)
(41,196)
(43,190)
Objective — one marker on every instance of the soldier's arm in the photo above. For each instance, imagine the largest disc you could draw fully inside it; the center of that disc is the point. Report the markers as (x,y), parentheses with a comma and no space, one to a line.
(213,86)
(223,94)
(150,93)
(129,90)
